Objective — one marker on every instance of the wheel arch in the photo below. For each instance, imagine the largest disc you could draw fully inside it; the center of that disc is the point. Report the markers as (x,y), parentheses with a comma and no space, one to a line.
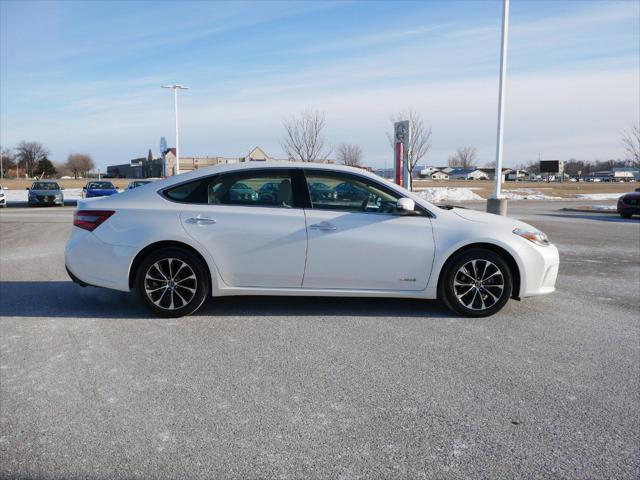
(135,264)
(508,257)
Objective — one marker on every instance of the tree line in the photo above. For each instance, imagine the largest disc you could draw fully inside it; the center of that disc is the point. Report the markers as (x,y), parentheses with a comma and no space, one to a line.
(31,159)
(304,141)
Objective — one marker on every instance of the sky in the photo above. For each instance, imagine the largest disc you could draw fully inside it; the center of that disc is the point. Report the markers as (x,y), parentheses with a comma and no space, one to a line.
(85,76)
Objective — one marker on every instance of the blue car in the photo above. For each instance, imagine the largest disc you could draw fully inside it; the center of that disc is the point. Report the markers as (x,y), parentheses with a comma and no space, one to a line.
(98,189)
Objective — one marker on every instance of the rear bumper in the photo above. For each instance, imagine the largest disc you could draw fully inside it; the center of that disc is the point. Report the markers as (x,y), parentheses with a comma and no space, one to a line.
(91,261)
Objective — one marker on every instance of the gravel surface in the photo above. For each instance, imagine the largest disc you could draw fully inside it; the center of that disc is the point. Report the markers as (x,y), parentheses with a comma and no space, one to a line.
(93,387)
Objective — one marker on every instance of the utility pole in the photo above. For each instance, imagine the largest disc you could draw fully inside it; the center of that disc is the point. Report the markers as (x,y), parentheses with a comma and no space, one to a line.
(496,204)
(175,105)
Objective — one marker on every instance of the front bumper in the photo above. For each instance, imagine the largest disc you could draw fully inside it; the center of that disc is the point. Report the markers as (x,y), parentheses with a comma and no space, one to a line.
(540,270)
(625,209)
(45,200)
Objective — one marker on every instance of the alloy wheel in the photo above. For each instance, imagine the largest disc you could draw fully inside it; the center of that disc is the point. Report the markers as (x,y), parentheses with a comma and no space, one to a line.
(478,284)
(170,283)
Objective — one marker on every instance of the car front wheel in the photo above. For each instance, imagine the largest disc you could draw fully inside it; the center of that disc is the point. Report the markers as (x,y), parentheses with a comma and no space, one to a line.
(477,283)
(172,282)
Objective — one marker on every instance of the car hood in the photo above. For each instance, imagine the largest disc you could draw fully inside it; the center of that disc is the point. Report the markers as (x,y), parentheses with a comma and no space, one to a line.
(489,218)
(635,195)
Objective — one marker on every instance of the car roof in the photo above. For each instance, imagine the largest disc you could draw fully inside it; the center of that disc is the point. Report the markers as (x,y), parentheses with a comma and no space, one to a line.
(235,167)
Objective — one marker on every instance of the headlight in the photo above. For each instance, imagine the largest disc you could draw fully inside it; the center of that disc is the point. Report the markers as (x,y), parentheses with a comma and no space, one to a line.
(534,236)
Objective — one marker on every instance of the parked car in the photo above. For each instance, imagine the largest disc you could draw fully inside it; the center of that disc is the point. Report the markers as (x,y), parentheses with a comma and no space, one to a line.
(187,238)
(3,198)
(45,192)
(98,189)
(241,191)
(347,191)
(629,204)
(137,183)
(322,191)
(268,192)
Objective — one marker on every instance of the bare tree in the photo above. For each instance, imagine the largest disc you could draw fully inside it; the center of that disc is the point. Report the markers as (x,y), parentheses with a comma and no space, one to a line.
(28,154)
(7,161)
(465,157)
(631,142)
(491,164)
(419,140)
(79,164)
(350,154)
(62,169)
(304,140)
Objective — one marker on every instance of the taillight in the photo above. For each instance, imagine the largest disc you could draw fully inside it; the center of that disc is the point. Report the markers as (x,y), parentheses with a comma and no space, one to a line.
(91,219)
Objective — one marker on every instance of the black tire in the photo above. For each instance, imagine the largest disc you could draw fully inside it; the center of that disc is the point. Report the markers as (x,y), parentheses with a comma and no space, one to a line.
(176,288)
(480,299)
(626,215)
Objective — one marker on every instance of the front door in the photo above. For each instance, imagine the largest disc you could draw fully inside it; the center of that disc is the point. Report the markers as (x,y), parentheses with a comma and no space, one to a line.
(252,228)
(357,240)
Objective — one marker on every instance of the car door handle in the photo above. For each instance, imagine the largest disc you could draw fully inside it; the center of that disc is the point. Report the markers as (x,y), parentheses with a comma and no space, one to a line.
(201,220)
(325,226)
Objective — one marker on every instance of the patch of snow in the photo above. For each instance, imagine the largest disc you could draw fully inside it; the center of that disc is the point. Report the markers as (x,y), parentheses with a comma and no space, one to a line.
(606,208)
(527,194)
(599,196)
(449,194)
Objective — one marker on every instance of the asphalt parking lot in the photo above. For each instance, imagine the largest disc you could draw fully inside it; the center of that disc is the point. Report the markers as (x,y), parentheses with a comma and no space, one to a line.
(91,386)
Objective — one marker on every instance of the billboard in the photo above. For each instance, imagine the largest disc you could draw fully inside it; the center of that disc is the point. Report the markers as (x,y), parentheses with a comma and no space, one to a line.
(550,166)
(402,134)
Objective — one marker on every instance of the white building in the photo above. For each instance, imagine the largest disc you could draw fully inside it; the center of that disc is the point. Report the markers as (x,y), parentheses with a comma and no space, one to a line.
(437,175)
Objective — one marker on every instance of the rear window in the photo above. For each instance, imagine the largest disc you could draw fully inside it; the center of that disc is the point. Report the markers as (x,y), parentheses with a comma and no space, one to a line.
(191,192)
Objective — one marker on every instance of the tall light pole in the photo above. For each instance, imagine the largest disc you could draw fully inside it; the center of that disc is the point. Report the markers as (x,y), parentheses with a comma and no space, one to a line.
(175,104)
(496,204)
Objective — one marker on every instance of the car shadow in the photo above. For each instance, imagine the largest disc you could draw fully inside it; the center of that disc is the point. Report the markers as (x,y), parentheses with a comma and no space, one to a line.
(65,299)
(602,217)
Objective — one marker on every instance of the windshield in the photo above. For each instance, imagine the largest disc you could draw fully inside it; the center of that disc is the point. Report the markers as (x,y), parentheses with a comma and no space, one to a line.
(45,186)
(101,186)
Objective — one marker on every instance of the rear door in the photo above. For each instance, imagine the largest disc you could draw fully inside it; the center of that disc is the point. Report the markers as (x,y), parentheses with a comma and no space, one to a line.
(255,240)
(357,240)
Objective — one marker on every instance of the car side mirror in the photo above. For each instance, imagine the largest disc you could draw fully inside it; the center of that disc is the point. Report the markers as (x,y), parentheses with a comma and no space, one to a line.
(405,205)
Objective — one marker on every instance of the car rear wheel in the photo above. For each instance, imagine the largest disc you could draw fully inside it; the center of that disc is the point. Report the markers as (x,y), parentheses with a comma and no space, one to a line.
(172,282)
(477,283)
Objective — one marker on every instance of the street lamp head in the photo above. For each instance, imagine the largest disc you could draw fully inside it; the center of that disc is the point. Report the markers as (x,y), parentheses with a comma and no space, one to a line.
(175,87)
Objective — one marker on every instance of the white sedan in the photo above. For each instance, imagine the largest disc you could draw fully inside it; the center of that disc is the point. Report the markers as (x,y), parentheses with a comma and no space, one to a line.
(301,229)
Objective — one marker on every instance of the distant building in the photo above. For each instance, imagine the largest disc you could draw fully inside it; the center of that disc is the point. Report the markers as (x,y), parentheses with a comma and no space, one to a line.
(626,173)
(491,172)
(153,167)
(427,172)
(467,174)
(142,167)
(438,175)
(517,175)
